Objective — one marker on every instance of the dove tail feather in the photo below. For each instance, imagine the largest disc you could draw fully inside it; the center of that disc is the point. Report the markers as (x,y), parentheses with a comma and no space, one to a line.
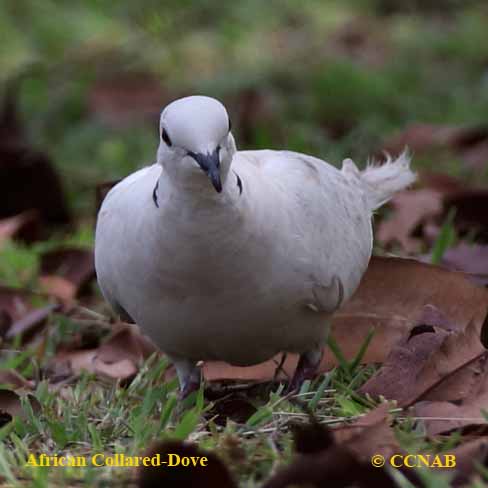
(383,181)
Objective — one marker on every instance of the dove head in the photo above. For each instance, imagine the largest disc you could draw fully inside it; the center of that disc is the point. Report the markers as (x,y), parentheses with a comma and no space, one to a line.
(196,146)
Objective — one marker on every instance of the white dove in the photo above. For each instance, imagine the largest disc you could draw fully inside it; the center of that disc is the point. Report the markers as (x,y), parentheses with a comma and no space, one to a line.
(230,255)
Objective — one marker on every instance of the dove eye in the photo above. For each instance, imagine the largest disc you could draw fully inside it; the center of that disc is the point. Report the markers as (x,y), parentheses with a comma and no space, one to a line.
(166,138)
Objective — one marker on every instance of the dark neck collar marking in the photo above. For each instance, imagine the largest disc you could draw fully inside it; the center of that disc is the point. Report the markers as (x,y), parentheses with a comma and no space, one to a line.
(239,183)
(155,194)
(155,191)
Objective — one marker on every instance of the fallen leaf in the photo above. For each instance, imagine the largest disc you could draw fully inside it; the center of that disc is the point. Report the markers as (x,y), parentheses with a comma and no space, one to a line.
(444,417)
(376,416)
(469,258)
(422,360)
(18,314)
(12,379)
(219,370)
(65,271)
(71,363)
(118,357)
(59,287)
(11,406)
(16,302)
(214,474)
(457,402)
(121,370)
(417,215)
(467,455)
(410,209)
(459,384)
(378,438)
(24,226)
(30,322)
(476,157)
(126,342)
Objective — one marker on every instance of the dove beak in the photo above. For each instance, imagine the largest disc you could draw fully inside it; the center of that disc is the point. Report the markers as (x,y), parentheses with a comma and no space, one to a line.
(210,164)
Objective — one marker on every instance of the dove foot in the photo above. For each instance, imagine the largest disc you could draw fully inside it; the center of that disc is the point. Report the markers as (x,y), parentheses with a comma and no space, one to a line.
(189,376)
(307,367)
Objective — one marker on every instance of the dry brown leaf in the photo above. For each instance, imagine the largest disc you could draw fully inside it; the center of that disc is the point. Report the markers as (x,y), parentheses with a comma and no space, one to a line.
(11,406)
(417,215)
(410,209)
(16,302)
(24,226)
(118,357)
(377,438)
(378,415)
(123,369)
(59,287)
(476,156)
(458,401)
(15,380)
(467,455)
(218,370)
(432,351)
(72,363)
(65,271)
(30,322)
(461,383)
(18,315)
(126,342)
(472,259)
(443,417)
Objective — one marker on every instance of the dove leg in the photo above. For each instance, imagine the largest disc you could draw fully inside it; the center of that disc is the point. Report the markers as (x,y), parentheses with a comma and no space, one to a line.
(307,366)
(189,376)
